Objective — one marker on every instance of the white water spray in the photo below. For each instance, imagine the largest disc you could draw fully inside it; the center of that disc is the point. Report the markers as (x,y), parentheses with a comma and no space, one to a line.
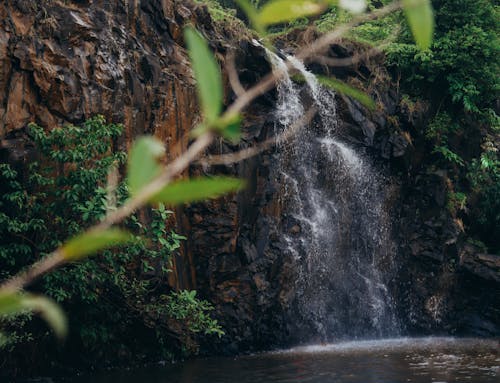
(336,199)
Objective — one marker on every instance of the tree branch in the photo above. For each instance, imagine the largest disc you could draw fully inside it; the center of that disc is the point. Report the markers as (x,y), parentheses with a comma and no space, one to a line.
(226,159)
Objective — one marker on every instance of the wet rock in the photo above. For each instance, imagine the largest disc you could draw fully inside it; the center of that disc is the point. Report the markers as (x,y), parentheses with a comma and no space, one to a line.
(485,266)
(79,68)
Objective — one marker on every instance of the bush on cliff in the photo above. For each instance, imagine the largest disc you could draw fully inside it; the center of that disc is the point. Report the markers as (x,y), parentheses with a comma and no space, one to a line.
(62,192)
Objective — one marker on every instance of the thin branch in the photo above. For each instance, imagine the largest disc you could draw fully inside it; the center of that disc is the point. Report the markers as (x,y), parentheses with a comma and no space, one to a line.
(111,186)
(44,265)
(234,79)
(230,158)
(349,61)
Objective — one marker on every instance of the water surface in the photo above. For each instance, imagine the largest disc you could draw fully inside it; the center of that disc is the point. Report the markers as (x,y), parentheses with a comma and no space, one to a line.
(422,360)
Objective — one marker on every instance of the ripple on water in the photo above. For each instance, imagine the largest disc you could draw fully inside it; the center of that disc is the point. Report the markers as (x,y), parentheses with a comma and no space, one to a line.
(424,360)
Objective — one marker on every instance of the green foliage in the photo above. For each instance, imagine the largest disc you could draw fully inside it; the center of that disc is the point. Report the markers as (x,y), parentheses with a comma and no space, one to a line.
(332,18)
(58,193)
(456,202)
(459,76)
(221,11)
(55,198)
(449,155)
(421,20)
(188,316)
(484,176)
(197,189)
(439,131)
(12,304)
(210,90)
(93,241)
(185,307)
(143,164)
(207,74)
(14,331)
(280,11)
(462,66)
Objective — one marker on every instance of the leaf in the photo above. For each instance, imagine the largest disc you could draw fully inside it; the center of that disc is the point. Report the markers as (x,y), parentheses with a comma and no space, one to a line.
(10,303)
(232,132)
(198,189)
(93,241)
(252,15)
(348,90)
(49,311)
(280,11)
(143,164)
(207,74)
(229,127)
(421,20)
(15,303)
(3,340)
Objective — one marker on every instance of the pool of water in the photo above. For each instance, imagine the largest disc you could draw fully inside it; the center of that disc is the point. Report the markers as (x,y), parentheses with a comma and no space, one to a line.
(379,361)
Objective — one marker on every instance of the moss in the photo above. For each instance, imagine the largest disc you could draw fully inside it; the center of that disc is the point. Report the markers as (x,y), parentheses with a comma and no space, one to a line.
(225,19)
(332,19)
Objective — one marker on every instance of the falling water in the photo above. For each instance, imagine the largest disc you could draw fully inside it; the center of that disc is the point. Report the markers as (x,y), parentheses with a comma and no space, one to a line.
(336,226)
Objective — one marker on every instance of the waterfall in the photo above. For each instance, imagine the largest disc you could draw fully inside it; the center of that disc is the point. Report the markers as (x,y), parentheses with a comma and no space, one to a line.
(289,107)
(334,221)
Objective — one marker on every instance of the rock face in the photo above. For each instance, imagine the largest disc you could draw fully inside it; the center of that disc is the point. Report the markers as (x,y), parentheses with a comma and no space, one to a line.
(63,64)
(124,59)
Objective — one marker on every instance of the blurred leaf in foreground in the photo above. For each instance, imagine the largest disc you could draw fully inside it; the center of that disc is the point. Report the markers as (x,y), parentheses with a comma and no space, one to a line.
(17,303)
(197,189)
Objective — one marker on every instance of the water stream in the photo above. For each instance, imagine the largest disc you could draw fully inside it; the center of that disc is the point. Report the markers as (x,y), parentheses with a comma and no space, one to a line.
(335,200)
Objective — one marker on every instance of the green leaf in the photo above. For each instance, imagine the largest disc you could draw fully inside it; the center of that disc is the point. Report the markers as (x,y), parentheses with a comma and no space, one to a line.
(143,164)
(281,11)
(207,74)
(49,311)
(348,90)
(3,340)
(198,189)
(16,303)
(10,303)
(421,20)
(92,242)
(229,127)
(252,15)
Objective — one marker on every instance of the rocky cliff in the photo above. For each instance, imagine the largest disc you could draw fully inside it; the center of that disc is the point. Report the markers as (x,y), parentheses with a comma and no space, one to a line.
(64,62)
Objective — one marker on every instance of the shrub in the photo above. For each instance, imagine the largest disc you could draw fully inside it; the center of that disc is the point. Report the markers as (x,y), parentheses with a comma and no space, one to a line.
(56,197)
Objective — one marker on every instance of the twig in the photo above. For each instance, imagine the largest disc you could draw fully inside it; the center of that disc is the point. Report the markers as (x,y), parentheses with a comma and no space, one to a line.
(226,159)
(234,80)
(348,61)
